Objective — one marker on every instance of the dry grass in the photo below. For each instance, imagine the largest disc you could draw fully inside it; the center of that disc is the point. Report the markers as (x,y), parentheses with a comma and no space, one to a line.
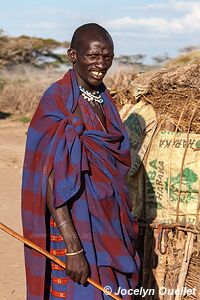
(188,58)
(22,87)
(174,94)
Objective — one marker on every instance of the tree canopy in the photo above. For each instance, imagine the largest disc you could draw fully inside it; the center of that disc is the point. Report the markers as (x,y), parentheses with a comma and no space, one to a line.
(30,50)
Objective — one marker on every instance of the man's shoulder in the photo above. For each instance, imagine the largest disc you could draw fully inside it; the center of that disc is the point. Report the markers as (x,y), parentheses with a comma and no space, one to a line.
(59,87)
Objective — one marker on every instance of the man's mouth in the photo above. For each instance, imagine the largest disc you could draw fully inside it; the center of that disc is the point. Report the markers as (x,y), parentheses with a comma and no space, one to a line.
(98,75)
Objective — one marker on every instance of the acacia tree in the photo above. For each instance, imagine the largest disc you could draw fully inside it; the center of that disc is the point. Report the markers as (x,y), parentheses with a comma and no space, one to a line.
(160,59)
(30,50)
(189,49)
(135,59)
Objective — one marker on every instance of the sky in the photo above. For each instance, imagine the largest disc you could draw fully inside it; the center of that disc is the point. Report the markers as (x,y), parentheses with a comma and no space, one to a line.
(144,27)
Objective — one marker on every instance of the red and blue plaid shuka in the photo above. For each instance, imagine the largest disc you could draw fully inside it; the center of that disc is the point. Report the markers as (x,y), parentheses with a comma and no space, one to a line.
(89,173)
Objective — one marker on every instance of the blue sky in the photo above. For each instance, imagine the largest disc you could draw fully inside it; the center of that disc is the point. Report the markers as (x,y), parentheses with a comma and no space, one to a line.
(145,27)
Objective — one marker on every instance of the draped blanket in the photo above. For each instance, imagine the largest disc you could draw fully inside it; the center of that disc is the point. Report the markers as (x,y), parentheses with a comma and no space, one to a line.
(89,174)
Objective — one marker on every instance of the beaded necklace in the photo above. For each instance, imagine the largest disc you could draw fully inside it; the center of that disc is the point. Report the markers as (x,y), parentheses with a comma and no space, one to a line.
(95,99)
(91,96)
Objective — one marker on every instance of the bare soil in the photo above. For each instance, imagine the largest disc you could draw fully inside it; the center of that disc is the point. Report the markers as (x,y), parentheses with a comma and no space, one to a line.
(12,273)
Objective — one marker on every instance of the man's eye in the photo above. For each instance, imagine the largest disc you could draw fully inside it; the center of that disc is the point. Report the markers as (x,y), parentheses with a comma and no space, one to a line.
(93,55)
(108,57)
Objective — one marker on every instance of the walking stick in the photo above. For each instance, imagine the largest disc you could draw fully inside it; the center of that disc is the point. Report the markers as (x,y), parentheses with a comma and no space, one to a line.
(52,257)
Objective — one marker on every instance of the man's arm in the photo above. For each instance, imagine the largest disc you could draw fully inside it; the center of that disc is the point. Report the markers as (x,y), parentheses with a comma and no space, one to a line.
(77,266)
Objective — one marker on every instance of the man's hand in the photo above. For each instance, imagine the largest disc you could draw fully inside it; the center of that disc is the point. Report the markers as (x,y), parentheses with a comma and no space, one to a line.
(77,268)
(77,265)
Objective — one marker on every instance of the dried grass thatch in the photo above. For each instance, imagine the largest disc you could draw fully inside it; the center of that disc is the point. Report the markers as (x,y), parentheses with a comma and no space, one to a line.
(173,93)
(190,57)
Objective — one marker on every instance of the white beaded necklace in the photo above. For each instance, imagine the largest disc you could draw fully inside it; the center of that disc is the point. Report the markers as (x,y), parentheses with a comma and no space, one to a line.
(91,96)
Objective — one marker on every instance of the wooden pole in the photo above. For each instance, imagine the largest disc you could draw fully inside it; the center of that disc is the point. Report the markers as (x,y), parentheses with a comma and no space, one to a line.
(52,257)
(185,264)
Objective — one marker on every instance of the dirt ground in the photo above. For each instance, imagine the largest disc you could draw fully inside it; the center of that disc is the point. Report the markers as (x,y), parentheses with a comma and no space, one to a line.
(12,274)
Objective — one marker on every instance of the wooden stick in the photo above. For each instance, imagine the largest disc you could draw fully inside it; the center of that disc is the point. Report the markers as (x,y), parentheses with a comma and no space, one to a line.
(52,257)
(185,263)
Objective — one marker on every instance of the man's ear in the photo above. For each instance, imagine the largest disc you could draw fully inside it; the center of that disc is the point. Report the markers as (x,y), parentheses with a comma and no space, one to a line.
(71,53)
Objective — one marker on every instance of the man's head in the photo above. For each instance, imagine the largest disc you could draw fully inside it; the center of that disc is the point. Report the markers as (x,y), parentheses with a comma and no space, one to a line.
(91,52)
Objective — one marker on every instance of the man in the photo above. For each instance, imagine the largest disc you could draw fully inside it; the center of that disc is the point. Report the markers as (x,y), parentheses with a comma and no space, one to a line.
(77,156)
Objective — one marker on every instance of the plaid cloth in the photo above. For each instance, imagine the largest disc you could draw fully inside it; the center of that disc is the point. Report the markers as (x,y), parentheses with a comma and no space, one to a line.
(58,285)
(89,173)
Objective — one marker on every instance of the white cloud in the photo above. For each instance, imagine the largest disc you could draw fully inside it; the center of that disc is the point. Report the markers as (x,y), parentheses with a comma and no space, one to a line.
(42,25)
(128,22)
(186,23)
(72,15)
(169,5)
(160,24)
(54,19)
(193,19)
(183,5)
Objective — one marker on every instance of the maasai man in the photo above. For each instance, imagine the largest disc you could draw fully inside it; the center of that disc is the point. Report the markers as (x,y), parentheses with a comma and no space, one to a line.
(75,202)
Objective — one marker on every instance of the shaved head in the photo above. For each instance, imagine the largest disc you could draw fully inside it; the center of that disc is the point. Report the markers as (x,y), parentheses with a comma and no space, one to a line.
(86,31)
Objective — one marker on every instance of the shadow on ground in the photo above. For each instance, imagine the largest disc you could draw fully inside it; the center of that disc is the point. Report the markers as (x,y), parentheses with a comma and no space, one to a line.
(4,115)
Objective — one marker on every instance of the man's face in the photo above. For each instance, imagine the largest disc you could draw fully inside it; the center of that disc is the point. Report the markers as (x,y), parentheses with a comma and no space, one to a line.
(91,61)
